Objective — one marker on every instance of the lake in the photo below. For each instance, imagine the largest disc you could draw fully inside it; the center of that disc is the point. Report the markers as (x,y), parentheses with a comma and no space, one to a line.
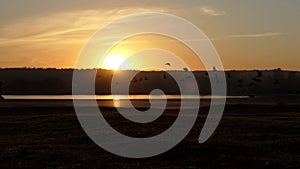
(113,97)
(121,101)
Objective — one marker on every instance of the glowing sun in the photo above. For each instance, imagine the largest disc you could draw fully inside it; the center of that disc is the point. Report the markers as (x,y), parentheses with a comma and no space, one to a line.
(113,61)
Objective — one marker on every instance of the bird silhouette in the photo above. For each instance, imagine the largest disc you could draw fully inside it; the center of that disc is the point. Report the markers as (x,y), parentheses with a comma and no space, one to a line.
(185,69)
(134,80)
(167,64)
(214,68)
(256,79)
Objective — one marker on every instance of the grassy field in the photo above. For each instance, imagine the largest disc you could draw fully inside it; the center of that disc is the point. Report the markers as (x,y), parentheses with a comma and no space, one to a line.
(249,136)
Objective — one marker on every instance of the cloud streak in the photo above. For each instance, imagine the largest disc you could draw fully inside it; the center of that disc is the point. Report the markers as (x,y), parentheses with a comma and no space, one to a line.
(210,11)
(258,35)
(76,26)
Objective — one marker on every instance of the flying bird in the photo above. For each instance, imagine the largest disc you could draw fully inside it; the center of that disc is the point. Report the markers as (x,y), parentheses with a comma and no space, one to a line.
(168,64)
(185,69)
(214,68)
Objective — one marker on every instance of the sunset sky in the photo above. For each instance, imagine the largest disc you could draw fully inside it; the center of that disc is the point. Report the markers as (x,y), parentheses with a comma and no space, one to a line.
(256,34)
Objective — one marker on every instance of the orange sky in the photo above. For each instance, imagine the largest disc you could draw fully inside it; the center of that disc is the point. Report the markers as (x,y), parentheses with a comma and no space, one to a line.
(247,35)
(157,59)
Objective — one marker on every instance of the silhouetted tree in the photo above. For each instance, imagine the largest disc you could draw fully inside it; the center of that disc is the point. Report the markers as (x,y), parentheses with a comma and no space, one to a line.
(259,73)
(229,75)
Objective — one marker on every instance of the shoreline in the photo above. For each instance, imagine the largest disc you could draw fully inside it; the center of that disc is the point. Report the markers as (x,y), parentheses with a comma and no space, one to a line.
(144,103)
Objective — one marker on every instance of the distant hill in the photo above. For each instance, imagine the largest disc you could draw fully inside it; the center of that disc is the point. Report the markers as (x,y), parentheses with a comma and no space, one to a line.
(59,81)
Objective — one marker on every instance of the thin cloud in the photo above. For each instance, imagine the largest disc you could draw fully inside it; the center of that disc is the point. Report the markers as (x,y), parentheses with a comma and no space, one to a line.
(210,11)
(75,26)
(258,35)
(54,40)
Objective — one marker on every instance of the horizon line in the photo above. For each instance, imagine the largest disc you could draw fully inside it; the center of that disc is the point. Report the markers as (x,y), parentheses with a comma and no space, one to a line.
(68,68)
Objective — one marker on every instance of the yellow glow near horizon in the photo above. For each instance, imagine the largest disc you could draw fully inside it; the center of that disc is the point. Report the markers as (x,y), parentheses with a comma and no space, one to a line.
(113,61)
(131,49)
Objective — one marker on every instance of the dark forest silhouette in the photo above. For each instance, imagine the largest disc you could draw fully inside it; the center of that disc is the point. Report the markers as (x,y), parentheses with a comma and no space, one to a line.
(1,98)
(59,81)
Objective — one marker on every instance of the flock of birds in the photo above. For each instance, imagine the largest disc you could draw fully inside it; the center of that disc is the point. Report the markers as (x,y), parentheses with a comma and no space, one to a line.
(255,80)
(241,83)
(164,75)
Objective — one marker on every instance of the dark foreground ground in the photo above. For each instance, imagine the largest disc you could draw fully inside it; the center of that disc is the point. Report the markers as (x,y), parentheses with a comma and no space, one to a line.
(248,137)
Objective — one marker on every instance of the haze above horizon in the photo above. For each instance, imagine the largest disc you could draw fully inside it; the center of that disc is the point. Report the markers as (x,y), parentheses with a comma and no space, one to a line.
(247,35)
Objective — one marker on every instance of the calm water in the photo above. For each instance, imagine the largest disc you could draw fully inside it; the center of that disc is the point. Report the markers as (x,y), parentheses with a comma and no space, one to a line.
(111,97)
(139,101)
